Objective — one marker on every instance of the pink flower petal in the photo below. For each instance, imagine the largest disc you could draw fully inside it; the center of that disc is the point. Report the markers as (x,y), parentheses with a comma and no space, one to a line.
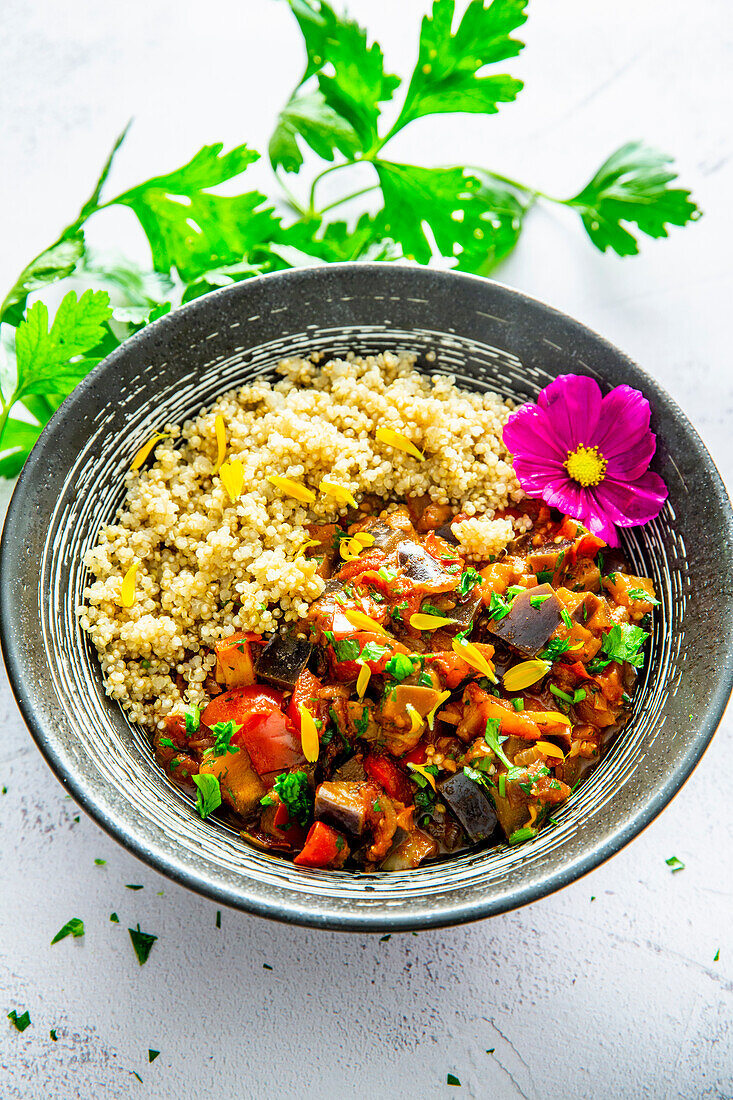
(529,432)
(629,505)
(534,474)
(631,463)
(623,420)
(573,404)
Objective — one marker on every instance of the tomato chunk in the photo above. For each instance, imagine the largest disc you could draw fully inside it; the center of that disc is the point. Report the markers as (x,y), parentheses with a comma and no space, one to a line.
(324,847)
(268,736)
(384,771)
(305,693)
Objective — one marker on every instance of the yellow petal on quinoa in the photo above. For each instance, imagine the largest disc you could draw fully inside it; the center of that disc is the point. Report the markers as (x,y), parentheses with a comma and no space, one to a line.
(127,588)
(362,680)
(221,442)
(473,656)
(428,622)
(308,735)
(525,674)
(399,442)
(145,450)
(549,749)
(362,621)
(421,770)
(306,545)
(416,722)
(438,703)
(232,477)
(338,492)
(292,488)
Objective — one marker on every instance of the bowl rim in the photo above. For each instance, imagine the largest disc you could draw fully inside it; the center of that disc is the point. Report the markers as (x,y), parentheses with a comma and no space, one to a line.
(455,912)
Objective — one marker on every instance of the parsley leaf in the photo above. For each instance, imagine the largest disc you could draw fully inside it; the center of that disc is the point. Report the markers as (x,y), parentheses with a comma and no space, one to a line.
(642,594)
(208,795)
(554,649)
(294,793)
(624,642)
(675,864)
(446,76)
(309,117)
(142,943)
(20,1023)
(50,360)
(491,737)
(223,732)
(469,579)
(73,927)
(632,187)
(152,1055)
(372,652)
(400,667)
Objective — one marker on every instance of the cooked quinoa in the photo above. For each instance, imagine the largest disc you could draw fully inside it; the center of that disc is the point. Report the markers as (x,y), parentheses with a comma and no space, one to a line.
(209,566)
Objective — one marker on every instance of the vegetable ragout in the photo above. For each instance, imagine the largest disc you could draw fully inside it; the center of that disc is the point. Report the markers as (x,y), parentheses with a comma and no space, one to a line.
(428,702)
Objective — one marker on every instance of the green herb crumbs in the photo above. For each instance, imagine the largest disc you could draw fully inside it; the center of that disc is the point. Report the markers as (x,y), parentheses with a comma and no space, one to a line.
(193,719)
(498,607)
(133,886)
(640,594)
(167,743)
(20,1022)
(556,691)
(114,919)
(566,618)
(383,939)
(142,943)
(4,790)
(152,1055)
(223,732)
(502,785)
(387,575)
(398,609)
(593,897)
(513,591)
(175,763)
(675,864)
(208,795)
(519,837)
(100,862)
(624,642)
(579,695)
(469,579)
(372,652)
(145,662)
(77,819)
(431,609)
(53,1035)
(266,966)
(399,667)
(425,679)
(218,918)
(518,704)
(611,577)
(554,649)
(545,576)
(453,1080)
(599,561)
(293,790)
(73,927)
(537,601)
(491,737)
(361,725)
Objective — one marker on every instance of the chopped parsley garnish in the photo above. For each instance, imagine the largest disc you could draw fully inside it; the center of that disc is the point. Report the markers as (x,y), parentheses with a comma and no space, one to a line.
(223,732)
(514,590)
(218,918)
(425,679)
(152,1055)
(518,704)
(100,862)
(474,774)
(579,695)
(469,579)
(293,791)
(537,601)
(208,795)
(372,652)
(167,743)
(566,618)
(561,694)
(73,927)
(114,919)
(399,667)
(640,594)
(554,649)
(498,607)
(625,642)
(675,864)
(492,739)
(53,1035)
(361,725)
(145,662)
(387,575)
(520,835)
(20,1022)
(502,785)
(545,576)
(716,956)
(142,942)
(193,720)
(133,886)
(452,1079)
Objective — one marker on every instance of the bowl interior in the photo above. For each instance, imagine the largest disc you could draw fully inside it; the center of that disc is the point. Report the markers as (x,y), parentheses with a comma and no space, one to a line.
(489,337)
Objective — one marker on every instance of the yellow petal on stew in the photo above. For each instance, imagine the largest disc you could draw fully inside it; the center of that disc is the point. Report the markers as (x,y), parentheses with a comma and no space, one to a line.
(363,622)
(364,538)
(232,477)
(362,680)
(548,717)
(145,450)
(428,622)
(549,749)
(468,652)
(308,735)
(338,492)
(523,675)
(420,769)
(532,816)
(221,442)
(438,703)
(350,549)
(292,488)
(399,442)
(127,588)
(416,722)
(302,549)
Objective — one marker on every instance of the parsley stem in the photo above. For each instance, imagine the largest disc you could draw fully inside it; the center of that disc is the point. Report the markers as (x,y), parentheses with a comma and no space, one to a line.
(347,198)
(320,176)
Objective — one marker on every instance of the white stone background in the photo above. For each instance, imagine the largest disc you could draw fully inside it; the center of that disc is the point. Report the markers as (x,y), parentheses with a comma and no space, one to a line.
(607,989)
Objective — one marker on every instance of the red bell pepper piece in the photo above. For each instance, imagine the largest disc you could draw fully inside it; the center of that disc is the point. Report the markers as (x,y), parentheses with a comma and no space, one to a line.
(416,756)
(578,668)
(304,695)
(324,847)
(390,776)
(265,732)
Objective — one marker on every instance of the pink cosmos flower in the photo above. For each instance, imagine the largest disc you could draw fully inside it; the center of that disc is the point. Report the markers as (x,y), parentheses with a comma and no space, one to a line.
(588,455)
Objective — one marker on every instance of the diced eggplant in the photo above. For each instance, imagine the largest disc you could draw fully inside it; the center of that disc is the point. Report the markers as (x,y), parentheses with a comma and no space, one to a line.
(352,771)
(530,621)
(283,659)
(446,533)
(464,613)
(422,569)
(546,558)
(385,536)
(470,804)
(410,852)
(587,608)
(342,805)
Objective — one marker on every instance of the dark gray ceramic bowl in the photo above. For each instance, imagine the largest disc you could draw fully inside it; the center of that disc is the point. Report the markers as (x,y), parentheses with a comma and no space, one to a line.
(488,336)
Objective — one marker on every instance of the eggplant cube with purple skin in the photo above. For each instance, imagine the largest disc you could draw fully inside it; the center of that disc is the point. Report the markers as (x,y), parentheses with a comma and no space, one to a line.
(534,616)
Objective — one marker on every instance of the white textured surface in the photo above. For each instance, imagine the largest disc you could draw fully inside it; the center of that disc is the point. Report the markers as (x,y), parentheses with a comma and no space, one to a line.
(613,997)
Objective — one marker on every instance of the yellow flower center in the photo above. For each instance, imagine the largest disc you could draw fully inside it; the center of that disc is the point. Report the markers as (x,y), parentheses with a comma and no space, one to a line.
(586,465)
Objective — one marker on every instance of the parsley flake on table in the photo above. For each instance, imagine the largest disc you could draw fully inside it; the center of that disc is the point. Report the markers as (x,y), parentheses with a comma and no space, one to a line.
(53,1035)
(218,918)
(675,864)
(152,1055)
(100,862)
(114,919)
(142,943)
(20,1023)
(453,1080)
(133,886)
(73,927)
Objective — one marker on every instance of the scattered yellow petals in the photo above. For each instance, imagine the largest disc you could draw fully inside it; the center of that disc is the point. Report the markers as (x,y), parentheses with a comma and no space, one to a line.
(221,441)
(438,703)
(428,622)
(362,680)
(308,735)
(363,622)
(292,488)
(399,442)
(302,549)
(421,770)
(127,588)
(525,674)
(549,749)
(232,476)
(339,492)
(145,450)
(548,717)
(415,719)
(474,657)
(350,549)
(364,538)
